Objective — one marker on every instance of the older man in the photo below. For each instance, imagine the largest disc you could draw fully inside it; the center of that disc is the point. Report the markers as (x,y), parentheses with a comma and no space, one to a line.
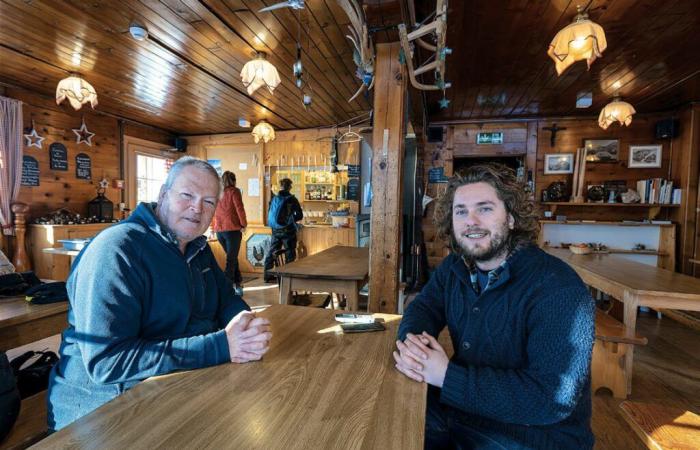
(521,324)
(147,298)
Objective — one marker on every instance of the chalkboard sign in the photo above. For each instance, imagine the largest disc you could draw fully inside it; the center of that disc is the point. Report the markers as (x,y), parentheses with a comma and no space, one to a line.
(30,171)
(353,171)
(83,167)
(437,175)
(353,190)
(58,156)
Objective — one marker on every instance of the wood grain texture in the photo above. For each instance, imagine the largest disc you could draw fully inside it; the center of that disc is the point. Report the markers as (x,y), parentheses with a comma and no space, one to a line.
(22,323)
(661,427)
(342,263)
(316,388)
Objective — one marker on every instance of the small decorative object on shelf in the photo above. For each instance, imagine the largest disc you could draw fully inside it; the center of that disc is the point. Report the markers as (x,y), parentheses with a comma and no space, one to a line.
(580,249)
(556,192)
(631,196)
(596,193)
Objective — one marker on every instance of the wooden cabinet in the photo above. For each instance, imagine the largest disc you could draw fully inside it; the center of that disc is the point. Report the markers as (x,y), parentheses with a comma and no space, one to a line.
(56,267)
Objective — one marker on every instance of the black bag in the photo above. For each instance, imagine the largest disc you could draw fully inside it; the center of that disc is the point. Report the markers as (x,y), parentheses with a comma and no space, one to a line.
(47,293)
(35,377)
(13,284)
(9,397)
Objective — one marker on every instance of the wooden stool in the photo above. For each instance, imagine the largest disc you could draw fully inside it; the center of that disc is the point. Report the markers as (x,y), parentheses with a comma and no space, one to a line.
(612,342)
(663,427)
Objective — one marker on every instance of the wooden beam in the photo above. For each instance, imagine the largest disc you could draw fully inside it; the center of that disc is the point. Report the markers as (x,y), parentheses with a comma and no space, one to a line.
(387,166)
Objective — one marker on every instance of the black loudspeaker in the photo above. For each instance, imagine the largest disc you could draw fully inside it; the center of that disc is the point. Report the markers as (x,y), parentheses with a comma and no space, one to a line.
(434,134)
(666,129)
(181,144)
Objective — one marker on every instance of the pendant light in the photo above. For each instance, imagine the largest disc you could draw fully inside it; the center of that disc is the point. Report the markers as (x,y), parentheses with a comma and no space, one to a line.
(616,111)
(263,131)
(77,91)
(582,39)
(259,72)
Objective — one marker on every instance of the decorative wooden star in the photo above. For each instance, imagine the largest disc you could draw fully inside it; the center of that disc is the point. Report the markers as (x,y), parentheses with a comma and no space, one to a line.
(83,135)
(33,138)
(444,103)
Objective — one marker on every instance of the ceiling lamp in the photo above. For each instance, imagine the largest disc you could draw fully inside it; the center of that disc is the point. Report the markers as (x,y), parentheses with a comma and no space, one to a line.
(263,131)
(616,111)
(579,40)
(259,72)
(77,91)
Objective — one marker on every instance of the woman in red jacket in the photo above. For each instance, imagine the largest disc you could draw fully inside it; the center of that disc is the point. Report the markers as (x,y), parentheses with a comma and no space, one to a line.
(229,223)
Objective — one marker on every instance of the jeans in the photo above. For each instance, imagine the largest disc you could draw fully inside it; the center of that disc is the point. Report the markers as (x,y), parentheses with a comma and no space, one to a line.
(286,238)
(231,242)
(444,430)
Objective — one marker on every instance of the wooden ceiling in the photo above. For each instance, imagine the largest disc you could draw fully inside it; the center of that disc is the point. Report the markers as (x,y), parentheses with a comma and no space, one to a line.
(500,68)
(186,76)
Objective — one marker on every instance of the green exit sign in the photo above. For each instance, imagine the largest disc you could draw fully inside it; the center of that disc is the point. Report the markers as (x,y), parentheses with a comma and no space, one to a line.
(489,138)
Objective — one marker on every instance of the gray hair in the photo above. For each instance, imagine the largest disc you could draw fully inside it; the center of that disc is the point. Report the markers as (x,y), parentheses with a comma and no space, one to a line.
(190,161)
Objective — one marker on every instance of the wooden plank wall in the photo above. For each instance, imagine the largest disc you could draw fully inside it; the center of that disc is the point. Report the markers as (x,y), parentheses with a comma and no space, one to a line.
(61,189)
(679,163)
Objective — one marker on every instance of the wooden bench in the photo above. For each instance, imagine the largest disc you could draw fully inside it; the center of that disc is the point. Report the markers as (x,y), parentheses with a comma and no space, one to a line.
(663,427)
(612,342)
(31,424)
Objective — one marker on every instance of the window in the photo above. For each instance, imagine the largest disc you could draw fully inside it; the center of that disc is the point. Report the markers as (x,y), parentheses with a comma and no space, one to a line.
(151,172)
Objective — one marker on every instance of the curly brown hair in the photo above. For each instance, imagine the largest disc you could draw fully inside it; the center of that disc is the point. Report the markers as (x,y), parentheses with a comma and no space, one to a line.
(509,190)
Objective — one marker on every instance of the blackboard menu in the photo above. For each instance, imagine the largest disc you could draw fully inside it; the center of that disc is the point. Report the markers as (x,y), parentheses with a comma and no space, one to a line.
(30,171)
(83,167)
(353,191)
(353,171)
(58,156)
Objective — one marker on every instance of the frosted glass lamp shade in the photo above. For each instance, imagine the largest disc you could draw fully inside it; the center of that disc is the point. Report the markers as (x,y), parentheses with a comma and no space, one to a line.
(77,91)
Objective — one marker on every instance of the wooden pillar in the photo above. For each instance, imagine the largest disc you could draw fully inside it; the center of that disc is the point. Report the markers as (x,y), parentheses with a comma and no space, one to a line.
(387,166)
(20,259)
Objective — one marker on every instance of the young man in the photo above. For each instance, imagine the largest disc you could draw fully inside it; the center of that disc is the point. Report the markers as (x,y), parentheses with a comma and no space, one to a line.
(521,324)
(284,212)
(147,298)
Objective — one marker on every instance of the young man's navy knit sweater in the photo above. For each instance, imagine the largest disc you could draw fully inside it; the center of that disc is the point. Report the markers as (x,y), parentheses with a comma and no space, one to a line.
(521,369)
(138,308)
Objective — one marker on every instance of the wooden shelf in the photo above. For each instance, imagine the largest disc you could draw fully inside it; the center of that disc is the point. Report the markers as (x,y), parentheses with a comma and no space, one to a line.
(625,251)
(604,222)
(326,201)
(619,205)
(653,209)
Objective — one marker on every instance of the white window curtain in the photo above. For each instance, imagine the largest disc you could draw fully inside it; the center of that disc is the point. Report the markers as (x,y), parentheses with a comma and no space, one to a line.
(10,159)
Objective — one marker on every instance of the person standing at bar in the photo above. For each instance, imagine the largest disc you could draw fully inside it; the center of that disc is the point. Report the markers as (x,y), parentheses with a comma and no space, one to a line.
(283,213)
(229,224)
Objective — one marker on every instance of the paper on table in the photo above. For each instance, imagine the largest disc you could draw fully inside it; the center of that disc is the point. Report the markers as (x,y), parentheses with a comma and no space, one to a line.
(242,166)
(253,187)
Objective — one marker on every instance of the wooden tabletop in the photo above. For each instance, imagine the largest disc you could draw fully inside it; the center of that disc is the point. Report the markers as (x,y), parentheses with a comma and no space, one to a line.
(642,279)
(316,388)
(22,323)
(663,427)
(339,262)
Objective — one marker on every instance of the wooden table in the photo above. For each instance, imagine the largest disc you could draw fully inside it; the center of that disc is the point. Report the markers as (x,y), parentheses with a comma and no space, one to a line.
(635,284)
(22,323)
(339,269)
(316,388)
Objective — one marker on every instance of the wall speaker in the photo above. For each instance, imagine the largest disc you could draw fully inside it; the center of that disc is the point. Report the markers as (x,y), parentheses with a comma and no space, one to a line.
(181,144)
(666,129)
(435,134)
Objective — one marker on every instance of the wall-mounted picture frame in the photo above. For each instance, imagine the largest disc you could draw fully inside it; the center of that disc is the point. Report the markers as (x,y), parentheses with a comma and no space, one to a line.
(643,156)
(602,150)
(557,163)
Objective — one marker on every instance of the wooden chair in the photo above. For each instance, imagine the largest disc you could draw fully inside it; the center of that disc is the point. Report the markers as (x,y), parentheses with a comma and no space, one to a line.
(31,423)
(280,260)
(663,427)
(612,342)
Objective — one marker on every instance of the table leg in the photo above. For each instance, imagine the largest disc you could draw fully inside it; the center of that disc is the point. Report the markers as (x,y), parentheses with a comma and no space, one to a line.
(285,289)
(353,298)
(631,304)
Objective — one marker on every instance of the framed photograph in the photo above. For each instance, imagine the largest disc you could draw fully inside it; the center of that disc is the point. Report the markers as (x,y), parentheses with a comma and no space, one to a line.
(643,156)
(558,163)
(602,150)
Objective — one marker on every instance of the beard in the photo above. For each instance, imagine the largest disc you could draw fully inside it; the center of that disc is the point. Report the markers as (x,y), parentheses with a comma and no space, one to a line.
(498,244)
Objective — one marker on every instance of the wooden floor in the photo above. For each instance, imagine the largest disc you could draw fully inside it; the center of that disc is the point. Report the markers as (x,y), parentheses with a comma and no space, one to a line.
(666,371)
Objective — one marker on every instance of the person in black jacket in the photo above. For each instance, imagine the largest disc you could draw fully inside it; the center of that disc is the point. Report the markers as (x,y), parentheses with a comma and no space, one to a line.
(284,212)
